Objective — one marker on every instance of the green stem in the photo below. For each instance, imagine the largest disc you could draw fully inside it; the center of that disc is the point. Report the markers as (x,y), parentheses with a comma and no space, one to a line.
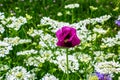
(72,16)
(67,64)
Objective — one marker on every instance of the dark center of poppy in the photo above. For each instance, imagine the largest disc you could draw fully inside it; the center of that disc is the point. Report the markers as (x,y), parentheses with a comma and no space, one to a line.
(67,42)
(67,38)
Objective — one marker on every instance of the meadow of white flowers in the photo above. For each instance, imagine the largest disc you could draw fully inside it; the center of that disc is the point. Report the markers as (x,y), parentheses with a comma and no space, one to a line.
(35,55)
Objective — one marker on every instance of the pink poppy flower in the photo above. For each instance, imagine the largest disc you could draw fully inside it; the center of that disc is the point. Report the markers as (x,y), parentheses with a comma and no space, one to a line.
(67,37)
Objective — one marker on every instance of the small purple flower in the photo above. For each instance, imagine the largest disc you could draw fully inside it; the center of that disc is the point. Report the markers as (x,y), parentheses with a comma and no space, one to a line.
(67,37)
(117,22)
(103,76)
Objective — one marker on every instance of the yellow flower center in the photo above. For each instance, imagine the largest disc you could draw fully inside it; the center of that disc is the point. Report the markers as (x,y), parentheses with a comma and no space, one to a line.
(19,75)
(93,78)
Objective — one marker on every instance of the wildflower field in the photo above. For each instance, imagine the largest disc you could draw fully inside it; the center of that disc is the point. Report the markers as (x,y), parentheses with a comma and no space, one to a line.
(59,39)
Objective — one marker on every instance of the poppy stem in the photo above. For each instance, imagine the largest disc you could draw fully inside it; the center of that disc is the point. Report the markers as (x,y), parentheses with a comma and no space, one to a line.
(67,64)
(72,16)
